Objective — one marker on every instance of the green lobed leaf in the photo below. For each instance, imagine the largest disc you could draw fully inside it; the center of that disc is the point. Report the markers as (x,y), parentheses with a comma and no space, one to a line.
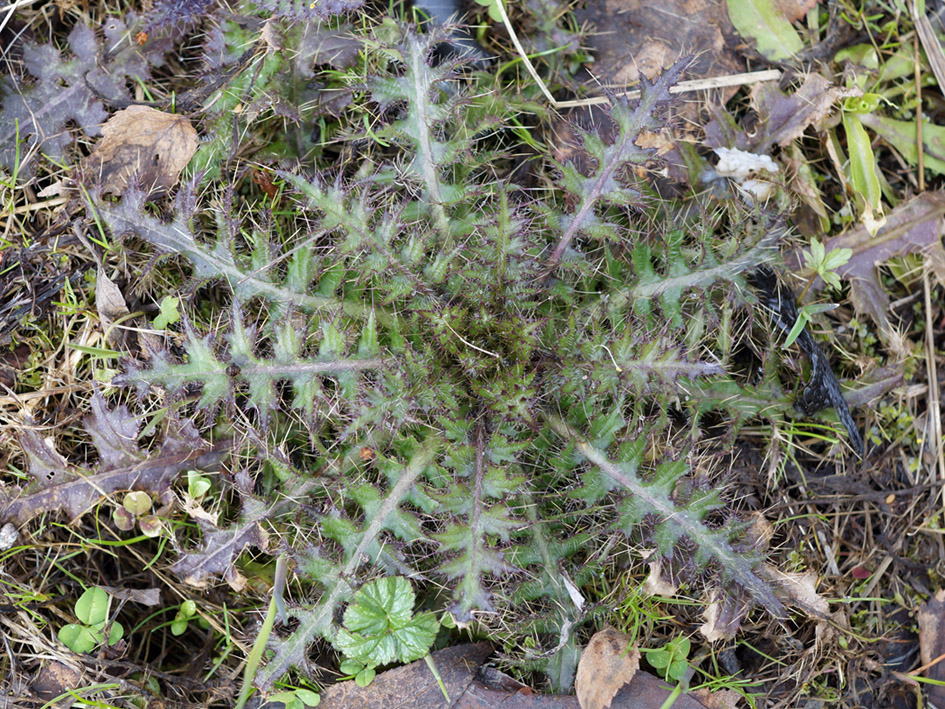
(379,606)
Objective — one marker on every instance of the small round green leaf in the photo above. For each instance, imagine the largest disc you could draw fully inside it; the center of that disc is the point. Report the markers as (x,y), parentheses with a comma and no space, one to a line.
(123,519)
(197,485)
(308,697)
(187,609)
(351,667)
(658,658)
(169,313)
(77,638)
(150,526)
(92,606)
(677,669)
(137,503)
(178,627)
(116,633)
(365,677)
(284,697)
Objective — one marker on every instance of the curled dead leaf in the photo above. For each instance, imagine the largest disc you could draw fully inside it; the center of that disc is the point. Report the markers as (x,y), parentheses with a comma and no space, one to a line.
(145,144)
(657,584)
(110,304)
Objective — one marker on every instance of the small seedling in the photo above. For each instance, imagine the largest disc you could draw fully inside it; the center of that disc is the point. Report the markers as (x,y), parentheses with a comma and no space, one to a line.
(92,610)
(804,316)
(169,313)
(187,610)
(825,265)
(358,671)
(135,507)
(197,485)
(380,628)
(671,658)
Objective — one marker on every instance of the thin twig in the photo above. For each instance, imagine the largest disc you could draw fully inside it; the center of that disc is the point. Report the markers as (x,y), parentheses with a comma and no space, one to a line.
(935,411)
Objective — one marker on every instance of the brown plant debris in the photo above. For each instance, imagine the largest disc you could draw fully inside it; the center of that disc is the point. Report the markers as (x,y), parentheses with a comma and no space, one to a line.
(144,144)
(58,485)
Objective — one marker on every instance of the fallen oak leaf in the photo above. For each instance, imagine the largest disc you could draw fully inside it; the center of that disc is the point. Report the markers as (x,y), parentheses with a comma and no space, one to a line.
(145,144)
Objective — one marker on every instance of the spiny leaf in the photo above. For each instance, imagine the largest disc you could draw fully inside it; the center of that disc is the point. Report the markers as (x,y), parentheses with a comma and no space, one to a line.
(209,262)
(260,375)
(675,522)
(318,619)
(603,186)
(680,277)
(469,540)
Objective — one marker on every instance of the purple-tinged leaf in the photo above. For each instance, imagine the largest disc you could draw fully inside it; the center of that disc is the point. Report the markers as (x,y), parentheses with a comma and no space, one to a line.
(72,89)
(114,433)
(913,227)
(221,546)
(177,13)
(59,486)
(654,498)
(299,10)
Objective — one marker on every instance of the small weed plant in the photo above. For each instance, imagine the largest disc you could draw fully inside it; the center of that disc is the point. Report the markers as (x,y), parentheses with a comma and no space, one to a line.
(92,609)
(429,364)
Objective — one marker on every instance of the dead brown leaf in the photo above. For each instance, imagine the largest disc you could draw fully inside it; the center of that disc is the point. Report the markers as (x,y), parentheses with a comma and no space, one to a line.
(11,362)
(412,685)
(657,582)
(144,596)
(913,227)
(110,304)
(636,38)
(607,664)
(784,118)
(723,616)
(122,465)
(54,680)
(145,144)
(932,645)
